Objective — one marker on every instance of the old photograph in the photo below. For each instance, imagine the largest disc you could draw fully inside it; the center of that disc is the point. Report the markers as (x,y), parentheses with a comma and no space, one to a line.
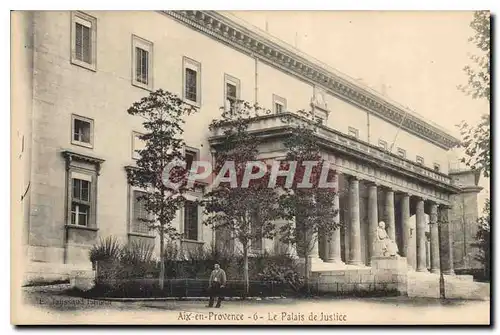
(202,167)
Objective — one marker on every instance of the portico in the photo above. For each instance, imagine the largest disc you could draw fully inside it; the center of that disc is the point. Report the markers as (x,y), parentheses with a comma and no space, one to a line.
(373,185)
(360,217)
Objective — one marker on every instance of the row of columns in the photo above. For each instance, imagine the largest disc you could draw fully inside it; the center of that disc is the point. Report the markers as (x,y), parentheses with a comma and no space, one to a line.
(333,250)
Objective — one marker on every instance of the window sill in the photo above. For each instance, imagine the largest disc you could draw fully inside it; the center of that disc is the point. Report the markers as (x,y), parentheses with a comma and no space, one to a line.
(82,144)
(141,235)
(143,86)
(91,67)
(192,103)
(185,240)
(81,227)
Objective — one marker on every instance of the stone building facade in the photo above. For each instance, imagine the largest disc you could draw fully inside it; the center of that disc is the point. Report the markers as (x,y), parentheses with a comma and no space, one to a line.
(76,73)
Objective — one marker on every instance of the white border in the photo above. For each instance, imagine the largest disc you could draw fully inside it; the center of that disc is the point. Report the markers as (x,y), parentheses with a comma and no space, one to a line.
(493,5)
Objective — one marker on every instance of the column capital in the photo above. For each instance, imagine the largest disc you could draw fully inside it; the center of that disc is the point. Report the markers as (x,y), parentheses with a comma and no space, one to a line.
(433,215)
(370,183)
(389,189)
(403,193)
(419,198)
(444,206)
(351,177)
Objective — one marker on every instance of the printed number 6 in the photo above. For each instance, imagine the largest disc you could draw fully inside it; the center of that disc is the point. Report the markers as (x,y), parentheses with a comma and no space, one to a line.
(255,316)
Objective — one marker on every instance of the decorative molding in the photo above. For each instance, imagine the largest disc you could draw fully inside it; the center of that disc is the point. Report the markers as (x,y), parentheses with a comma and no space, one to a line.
(251,42)
(73,156)
(72,226)
(152,236)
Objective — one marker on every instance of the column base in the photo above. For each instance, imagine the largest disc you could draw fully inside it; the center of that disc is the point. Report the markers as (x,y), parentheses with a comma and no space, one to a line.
(449,272)
(423,270)
(334,261)
(315,259)
(435,271)
(355,262)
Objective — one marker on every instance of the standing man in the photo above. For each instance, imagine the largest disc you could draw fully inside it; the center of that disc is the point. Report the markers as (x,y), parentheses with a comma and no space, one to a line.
(216,283)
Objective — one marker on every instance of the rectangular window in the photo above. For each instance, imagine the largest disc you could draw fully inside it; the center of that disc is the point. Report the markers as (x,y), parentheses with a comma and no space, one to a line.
(382,144)
(80,202)
(142,64)
(83,35)
(278,107)
(139,214)
(192,81)
(401,153)
(190,156)
(231,90)
(279,104)
(437,167)
(353,132)
(137,145)
(191,220)
(420,160)
(82,130)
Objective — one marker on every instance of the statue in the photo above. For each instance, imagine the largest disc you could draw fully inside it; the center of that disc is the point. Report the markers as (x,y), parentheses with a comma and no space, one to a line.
(384,246)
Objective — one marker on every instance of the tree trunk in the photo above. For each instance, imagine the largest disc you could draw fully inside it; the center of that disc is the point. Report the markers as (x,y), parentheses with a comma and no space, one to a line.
(162,260)
(307,250)
(307,272)
(245,270)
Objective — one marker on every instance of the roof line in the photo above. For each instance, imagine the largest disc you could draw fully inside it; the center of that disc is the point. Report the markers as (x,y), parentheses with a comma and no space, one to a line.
(252,40)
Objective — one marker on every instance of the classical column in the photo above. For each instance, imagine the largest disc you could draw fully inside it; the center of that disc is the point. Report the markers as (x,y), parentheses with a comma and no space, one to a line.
(314,250)
(434,244)
(390,222)
(372,218)
(354,224)
(421,266)
(334,247)
(446,241)
(405,222)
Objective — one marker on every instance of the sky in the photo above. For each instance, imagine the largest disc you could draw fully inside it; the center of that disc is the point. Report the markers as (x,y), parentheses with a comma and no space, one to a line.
(417,56)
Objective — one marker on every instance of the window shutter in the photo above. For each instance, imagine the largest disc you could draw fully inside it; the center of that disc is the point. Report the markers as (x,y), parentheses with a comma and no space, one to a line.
(142,59)
(139,212)
(145,63)
(78,41)
(138,67)
(82,43)
(191,93)
(86,45)
(191,220)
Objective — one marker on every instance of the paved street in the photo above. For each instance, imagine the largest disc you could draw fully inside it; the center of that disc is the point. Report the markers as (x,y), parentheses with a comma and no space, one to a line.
(49,302)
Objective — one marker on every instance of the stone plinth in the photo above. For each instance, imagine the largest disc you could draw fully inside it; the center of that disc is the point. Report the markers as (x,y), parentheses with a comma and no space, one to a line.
(83,280)
(389,263)
(391,270)
(386,273)
(40,272)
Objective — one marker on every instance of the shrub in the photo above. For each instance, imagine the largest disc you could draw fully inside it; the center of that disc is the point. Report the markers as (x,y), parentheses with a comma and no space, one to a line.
(137,260)
(132,266)
(106,250)
(281,269)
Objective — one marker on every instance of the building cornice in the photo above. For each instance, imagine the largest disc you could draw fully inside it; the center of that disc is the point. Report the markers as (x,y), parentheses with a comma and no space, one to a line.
(251,42)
